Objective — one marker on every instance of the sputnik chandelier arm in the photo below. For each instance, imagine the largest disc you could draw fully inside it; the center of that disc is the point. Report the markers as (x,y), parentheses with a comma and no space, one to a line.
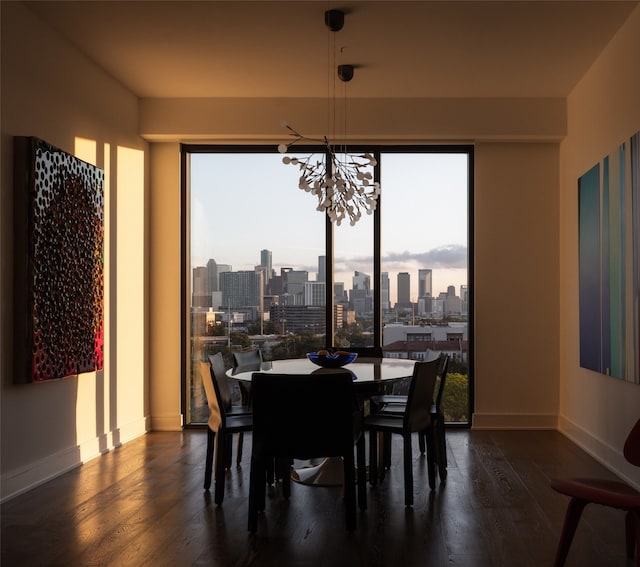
(344,187)
(342,182)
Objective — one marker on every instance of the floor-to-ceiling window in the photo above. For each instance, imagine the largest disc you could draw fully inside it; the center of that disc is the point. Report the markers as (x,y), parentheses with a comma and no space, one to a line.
(264,269)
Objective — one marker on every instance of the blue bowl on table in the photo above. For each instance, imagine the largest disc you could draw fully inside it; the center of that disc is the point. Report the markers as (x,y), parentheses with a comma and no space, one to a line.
(332,360)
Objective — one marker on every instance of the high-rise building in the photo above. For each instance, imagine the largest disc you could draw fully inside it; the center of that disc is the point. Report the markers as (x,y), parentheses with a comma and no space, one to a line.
(404,289)
(265,260)
(294,286)
(339,295)
(322,269)
(212,274)
(425,283)
(221,268)
(315,293)
(201,296)
(241,289)
(384,292)
(360,298)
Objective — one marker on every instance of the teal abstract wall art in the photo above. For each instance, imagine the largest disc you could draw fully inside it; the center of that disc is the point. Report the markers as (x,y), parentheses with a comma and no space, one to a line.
(609,264)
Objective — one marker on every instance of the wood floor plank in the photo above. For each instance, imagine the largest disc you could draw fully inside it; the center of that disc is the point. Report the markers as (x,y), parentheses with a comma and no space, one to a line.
(143,504)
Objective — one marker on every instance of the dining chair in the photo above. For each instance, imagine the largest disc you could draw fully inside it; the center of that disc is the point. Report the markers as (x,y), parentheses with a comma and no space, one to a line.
(416,417)
(247,357)
(396,405)
(224,420)
(250,358)
(306,416)
(610,493)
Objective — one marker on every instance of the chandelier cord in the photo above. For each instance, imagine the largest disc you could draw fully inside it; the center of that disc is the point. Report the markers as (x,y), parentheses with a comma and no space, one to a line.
(342,182)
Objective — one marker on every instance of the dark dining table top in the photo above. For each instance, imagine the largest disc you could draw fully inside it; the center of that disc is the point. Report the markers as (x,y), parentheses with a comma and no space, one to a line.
(366,372)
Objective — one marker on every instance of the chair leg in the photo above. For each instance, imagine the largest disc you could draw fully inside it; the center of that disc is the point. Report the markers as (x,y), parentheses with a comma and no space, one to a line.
(282,465)
(431,456)
(221,460)
(421,442)
(571,519)
(228,452)
(208,463)
(373,457)
(441,447)
(632,530)
(386,453)
(408,471)
(350,490)
(239,450)
(257,491)
(270,471)
(362,473)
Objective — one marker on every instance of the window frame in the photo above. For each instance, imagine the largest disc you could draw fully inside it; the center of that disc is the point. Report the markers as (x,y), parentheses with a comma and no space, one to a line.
(376,150)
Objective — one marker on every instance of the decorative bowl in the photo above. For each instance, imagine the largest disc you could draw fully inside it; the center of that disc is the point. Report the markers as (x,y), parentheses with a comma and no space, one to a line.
(332,360)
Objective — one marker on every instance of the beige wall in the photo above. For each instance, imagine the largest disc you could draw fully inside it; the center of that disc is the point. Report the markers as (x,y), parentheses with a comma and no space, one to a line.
(52,92)
(516,237)
(603,112)
(516,285)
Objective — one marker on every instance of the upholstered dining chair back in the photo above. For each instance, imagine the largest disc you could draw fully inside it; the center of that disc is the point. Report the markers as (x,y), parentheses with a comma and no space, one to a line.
(304,415)
(215,413)
(417,415)
(247,357)
(221,382)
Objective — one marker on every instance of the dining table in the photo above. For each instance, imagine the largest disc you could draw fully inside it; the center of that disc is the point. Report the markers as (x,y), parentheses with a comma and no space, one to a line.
(370,376)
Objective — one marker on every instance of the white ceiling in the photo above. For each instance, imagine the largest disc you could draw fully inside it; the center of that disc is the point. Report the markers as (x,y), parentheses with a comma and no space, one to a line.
(282,49)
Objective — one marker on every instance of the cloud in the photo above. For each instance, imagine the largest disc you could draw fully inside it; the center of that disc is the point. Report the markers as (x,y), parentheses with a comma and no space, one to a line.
(449,256)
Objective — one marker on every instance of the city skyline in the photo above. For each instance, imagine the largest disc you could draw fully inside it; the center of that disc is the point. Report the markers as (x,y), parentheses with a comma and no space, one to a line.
(414,281)
(244,203)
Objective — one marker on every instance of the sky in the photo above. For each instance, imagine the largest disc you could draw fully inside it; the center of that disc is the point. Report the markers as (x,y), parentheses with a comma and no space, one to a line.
(243,203)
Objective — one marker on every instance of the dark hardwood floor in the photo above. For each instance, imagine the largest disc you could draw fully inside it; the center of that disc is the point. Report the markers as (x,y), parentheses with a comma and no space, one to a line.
(143,504)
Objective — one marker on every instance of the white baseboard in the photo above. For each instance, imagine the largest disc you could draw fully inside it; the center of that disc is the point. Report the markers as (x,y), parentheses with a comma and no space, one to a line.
(23,479)
(605,454)
(514,421)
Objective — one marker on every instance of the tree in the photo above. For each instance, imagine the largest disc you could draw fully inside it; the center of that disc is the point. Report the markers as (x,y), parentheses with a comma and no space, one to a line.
(455,399)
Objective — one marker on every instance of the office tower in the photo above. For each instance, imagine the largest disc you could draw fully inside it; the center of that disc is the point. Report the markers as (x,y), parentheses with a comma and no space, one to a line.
(241,289)
(464,298)
(451,290)
(294,286)
(322,269)
(212,275)
(360,298)
(361,282)
(339,295)
(265,260)
(315,293)
(200,295)
(425,283)
(384,292)
(404,289)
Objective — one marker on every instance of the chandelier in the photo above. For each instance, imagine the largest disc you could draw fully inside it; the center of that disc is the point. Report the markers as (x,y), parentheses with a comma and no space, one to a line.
(341,181)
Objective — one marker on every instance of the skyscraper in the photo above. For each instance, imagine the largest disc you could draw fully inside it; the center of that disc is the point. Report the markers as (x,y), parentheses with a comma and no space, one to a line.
(425,283)
(265,260)
(384,292)
(404,289)
(212,273)
(322,269)
(241,289)
(201,296)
